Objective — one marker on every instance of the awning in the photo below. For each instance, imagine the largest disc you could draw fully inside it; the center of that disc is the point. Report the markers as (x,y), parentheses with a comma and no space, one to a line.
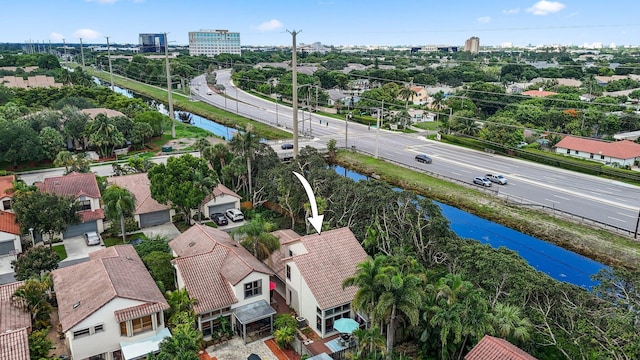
(272,285)
(255,311)
(140,349)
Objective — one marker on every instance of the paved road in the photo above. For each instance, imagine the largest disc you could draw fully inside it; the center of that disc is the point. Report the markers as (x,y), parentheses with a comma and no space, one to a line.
(609,202)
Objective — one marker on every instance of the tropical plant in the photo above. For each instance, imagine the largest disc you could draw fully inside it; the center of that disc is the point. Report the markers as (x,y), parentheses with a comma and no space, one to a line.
(205,183)
(245,146)
(367,279)
(118,203)
(370,341)
(255,235)
(34,262)
(32,298)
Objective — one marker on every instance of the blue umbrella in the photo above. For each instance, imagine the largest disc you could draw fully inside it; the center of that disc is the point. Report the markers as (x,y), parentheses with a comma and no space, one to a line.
(345,325)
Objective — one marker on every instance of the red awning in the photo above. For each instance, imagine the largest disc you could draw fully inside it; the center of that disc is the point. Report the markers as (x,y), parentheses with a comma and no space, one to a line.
(272,285)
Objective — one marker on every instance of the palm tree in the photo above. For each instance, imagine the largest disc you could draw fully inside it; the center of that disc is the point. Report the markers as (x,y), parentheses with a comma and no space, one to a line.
(509,322)
(367,278)
(465,125)
(406,93)
(438,103)
(204,184)
(32,297)
(370,341)
(256,237)
(104,134)
(179,301)
(118,202)
(245,145)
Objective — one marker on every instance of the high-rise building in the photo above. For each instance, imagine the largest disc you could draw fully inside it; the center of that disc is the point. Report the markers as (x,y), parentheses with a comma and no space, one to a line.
(472,45)
(214,42)
(152,43)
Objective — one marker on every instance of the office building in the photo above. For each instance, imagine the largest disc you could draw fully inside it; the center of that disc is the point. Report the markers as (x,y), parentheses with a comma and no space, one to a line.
(214,42)
(472,45)
(152,43)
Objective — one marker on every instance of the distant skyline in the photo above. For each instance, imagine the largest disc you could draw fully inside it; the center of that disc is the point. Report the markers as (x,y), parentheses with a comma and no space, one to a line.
(331,22)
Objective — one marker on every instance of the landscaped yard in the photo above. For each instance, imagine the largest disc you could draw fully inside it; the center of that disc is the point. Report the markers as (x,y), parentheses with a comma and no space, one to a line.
(61,251)
(111,241)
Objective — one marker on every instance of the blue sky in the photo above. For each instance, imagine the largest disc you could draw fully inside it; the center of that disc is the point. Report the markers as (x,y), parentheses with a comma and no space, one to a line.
(331,22)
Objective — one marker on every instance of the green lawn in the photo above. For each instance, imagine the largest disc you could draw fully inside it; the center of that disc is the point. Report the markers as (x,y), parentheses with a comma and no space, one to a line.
(111,241)
(428,125)
(61,251)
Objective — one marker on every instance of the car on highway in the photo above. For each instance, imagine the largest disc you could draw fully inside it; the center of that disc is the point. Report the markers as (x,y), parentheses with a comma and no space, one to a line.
(92,238)
(234,215)
(219,219)
(481,180)
(497,178)
(423,159)
(287,146)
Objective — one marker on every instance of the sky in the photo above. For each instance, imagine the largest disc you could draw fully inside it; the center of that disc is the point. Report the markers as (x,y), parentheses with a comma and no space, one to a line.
(331,22)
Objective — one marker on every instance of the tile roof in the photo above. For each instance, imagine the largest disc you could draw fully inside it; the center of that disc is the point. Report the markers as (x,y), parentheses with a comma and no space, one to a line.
(138,311)
(113,272)
(73,184)
(12,317)
(8,223)
(210,262)
(139,186)
(492,348)
(538,93)
(275,262)
(220,190)
(6,185)
(30,82)
(14,345)
(624,149)
(331,257)
(108,112)
(91,215)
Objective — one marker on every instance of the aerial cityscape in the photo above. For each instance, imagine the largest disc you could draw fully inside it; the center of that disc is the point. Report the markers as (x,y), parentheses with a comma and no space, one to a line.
(319,180)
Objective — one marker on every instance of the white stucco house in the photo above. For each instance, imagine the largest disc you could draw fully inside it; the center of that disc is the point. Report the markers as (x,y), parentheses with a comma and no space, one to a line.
(622,152)
(220,200)
(226,280)
(310,271)
(10,243)
(109,307)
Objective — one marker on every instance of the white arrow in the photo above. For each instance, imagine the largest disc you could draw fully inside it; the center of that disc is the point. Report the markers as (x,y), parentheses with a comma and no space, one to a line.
(315,219)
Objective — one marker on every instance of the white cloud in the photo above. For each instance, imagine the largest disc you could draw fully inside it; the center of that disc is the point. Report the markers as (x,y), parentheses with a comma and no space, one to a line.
(484,19)
(545,7)
(86,34)
(55,37)
(270,25)
(511,11)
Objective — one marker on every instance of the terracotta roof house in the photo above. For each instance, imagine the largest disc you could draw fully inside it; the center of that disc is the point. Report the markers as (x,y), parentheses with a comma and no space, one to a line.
(311,270)
(421,96)
(93,112)
(622,152)
(148,212)
(219,201)
(226,280)
(30,82)
(492,348)
(15,325)
(6,191)
(109,301)
(538,93)
(10,243)
(83,187)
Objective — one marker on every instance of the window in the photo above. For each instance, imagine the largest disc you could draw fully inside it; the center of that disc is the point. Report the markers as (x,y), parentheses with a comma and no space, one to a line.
(123,328)
(290,252)
(568,151)
(84,205)
(288,272)
(98,328)
(6,204)
(318,323)
(576,152)
(591,156)
(601,157)
(253,288)
(142,324)
(80,333)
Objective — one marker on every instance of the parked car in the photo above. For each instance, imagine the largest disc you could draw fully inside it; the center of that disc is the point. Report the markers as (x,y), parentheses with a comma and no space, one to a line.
(423,159)
(481,180)
(219,219)
(497,178)
(92,238)
(234,215)
(522,144)
(287,146)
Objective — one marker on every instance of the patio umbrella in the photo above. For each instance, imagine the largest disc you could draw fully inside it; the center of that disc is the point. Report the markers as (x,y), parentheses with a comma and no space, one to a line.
(254,357)
(346,325)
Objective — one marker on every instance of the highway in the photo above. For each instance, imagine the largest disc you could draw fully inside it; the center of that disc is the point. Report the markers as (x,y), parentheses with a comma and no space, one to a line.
(610,202)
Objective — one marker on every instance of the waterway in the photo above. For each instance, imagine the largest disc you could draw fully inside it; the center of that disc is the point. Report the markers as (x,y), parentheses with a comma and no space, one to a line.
(553,260)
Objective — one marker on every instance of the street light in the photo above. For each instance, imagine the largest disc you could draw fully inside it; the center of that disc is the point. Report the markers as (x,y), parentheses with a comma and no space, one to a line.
(346,128)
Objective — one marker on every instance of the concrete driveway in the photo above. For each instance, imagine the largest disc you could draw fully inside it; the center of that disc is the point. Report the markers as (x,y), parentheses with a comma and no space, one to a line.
(168,231)
(77,248)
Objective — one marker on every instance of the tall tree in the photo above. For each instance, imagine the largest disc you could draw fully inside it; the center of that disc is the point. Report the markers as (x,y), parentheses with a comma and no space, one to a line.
(245,145)
(32,298)
(256,237)
(205,183)
(104,134)
(118,203)
(34,262)
(367,279)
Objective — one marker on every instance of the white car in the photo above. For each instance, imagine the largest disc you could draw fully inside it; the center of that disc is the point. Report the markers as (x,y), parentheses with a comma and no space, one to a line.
(92,238)
(234,215)
(497,178)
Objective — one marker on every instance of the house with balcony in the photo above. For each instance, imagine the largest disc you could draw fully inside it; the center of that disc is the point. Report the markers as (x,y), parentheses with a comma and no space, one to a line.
(148,211)
(309,272)
(83,187)
(109,307)
(226,280)
(15,325)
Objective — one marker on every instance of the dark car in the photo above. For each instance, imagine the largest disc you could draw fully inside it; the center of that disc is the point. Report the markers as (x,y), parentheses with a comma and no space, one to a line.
(287,146)
(423,159)
(219,219)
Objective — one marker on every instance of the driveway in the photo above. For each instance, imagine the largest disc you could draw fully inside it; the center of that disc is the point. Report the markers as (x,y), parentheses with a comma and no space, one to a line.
(77,248)
(168,231)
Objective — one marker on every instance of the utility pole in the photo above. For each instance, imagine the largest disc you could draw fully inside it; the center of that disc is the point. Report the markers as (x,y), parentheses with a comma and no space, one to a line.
(169,87)
(294,89)
(635,235)
(110,68)
(380,113)
(64,49)
(82,53)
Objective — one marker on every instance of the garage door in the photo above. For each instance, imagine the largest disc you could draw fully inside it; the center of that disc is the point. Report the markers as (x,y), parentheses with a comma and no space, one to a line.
(154,218)
(6,247)
(221,208)
(79,229)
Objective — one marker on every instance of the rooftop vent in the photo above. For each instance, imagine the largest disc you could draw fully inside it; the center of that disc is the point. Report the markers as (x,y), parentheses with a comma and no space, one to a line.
(192,243)
(76,305)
